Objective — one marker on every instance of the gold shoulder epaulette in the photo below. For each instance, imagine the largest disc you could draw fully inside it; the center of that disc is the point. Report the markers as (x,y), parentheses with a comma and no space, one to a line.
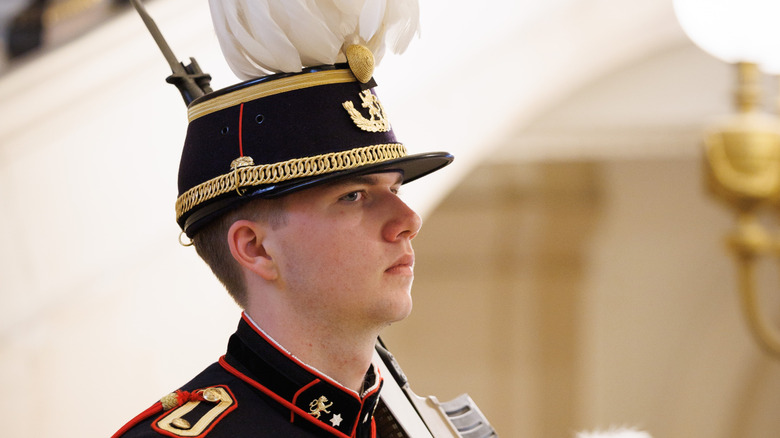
(195,414)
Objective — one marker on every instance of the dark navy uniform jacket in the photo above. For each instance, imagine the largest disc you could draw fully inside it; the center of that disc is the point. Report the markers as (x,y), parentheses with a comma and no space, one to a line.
(259,390)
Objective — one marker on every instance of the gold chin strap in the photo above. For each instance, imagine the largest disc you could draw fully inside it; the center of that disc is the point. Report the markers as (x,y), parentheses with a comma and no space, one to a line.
(235,165)
(181,242)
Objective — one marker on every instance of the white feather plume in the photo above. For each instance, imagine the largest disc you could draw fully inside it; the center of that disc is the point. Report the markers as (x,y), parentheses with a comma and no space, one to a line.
(260,37)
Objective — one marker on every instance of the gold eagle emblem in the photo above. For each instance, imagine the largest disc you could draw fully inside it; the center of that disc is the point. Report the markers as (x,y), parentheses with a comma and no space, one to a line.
(377,122)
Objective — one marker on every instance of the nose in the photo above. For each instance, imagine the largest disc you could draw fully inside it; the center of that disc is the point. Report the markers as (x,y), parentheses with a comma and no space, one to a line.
(404,223)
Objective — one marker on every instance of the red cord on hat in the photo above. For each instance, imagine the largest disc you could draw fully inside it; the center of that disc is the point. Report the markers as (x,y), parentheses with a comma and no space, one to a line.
(241,131)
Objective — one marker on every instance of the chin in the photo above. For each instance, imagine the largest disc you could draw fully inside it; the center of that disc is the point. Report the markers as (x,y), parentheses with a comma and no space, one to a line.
(406,313)
(398,310)
(402,312)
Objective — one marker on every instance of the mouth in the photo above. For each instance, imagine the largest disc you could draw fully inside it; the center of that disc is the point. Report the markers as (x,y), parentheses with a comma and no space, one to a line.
(403,266)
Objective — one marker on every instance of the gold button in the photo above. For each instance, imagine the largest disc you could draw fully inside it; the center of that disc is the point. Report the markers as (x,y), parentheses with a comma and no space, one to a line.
(211,395)
(181,423)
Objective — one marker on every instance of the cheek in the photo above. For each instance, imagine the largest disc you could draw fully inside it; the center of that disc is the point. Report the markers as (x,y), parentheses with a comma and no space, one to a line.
(346,255)
(340,240)
(327,251)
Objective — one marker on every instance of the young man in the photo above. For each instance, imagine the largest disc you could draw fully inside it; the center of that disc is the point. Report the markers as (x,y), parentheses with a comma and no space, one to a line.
(289,192)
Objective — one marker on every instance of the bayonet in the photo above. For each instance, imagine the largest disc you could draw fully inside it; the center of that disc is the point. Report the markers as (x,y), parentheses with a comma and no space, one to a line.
(189,79)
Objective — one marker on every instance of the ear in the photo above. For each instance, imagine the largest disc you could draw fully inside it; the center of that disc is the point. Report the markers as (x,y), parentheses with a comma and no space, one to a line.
(246,239)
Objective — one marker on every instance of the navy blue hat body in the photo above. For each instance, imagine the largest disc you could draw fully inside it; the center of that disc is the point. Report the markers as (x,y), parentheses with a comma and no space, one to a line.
(286,132)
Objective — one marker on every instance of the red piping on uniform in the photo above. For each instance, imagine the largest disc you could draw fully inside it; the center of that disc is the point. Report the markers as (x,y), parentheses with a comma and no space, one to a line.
(279,399)
(314,371)
(154,409)
(295,397)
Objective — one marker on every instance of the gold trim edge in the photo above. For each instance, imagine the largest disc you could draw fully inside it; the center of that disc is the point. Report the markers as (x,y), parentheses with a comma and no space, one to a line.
(222,404)
(270,88)
(248,176)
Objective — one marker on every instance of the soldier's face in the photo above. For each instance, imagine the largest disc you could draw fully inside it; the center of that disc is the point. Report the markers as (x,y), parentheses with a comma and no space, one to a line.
(346,252)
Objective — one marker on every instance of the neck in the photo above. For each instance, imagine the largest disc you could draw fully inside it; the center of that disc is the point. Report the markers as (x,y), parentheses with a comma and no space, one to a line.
(343,355)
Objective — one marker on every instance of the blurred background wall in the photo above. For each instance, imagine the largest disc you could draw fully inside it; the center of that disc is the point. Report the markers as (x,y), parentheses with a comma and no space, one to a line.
(571,271)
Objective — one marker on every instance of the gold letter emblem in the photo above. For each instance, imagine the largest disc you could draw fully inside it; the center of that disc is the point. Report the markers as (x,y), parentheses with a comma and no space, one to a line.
(378,122)
(318,406)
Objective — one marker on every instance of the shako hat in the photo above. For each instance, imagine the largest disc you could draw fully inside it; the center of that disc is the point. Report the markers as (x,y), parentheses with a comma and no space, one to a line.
(307,112)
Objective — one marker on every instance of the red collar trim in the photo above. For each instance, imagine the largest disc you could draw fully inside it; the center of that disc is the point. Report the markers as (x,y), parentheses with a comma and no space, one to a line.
(293,409)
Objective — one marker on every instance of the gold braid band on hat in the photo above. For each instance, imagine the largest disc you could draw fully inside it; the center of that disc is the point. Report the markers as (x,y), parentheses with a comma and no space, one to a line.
(248,176)
(270,88)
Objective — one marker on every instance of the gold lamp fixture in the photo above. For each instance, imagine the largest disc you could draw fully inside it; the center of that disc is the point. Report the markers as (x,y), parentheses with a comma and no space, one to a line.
(742,152)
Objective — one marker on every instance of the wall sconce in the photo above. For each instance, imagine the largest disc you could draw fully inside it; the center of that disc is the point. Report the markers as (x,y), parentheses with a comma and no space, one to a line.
(742,152)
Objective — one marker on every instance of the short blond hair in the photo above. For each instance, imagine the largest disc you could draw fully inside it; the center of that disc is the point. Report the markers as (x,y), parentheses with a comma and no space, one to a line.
(211,242)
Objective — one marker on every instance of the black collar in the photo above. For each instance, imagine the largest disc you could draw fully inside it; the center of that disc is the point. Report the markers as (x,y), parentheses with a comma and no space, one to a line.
(301,391)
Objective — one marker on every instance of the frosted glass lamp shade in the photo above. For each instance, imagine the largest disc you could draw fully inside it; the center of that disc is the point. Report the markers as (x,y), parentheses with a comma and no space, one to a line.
(734,30)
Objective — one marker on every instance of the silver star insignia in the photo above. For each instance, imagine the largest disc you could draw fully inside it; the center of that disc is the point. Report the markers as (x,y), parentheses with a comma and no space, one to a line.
(336,420)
